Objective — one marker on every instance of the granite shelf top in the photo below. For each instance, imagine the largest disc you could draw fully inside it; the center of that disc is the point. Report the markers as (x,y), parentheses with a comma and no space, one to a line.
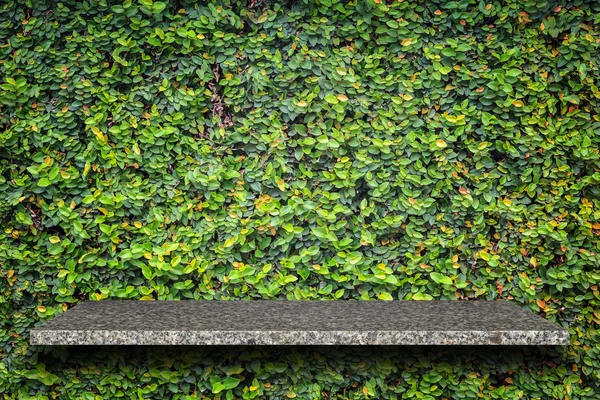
(282,322)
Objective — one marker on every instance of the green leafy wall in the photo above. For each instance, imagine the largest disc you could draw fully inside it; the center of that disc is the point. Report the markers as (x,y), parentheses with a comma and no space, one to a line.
(391,150)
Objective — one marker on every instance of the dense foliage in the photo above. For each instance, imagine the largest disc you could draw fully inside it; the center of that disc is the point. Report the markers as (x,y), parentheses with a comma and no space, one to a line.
(300,150)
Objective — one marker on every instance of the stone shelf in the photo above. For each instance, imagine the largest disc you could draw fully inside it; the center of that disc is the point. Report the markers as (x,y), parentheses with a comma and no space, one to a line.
(281,322)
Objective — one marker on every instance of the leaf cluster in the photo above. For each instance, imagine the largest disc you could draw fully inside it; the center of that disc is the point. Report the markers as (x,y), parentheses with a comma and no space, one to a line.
(301,150)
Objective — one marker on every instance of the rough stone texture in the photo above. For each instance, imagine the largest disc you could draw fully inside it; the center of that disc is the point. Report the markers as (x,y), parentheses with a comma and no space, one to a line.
(264,322)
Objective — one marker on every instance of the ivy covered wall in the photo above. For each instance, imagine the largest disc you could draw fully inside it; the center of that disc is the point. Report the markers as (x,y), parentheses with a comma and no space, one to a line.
(326,149)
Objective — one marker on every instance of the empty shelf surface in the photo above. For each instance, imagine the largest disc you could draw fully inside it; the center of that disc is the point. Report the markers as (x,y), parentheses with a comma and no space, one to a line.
(281,322)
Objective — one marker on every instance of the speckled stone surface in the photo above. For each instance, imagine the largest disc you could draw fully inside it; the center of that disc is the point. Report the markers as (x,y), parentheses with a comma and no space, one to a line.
(280,322)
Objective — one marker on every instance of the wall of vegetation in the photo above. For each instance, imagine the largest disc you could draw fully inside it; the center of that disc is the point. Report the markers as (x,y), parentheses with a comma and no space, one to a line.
(326,149)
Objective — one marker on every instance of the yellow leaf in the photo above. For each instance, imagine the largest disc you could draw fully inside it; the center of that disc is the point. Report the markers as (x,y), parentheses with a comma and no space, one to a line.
(406,42)
(41,308)
(98,134)
(302,103)
(281,184)
(263,17)
(407,97)
(34,128)
(342,97)
(229,242)
(291,395)
(507,202)
(533,261)
(54,239)
(365,391)
(441,144)
(518,103)
(540,303)
(137,224)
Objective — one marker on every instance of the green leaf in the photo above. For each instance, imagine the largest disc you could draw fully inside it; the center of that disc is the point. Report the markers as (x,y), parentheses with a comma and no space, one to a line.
(23,218)
(44,182)
(175,261)
(332,99)
(319,232)
(55,249)
(354,258)
(218,387)
(147,271)
(440,278)
(385,296)
(158,7)
(230,382)
(43,376)
(262,18)
(422,296)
